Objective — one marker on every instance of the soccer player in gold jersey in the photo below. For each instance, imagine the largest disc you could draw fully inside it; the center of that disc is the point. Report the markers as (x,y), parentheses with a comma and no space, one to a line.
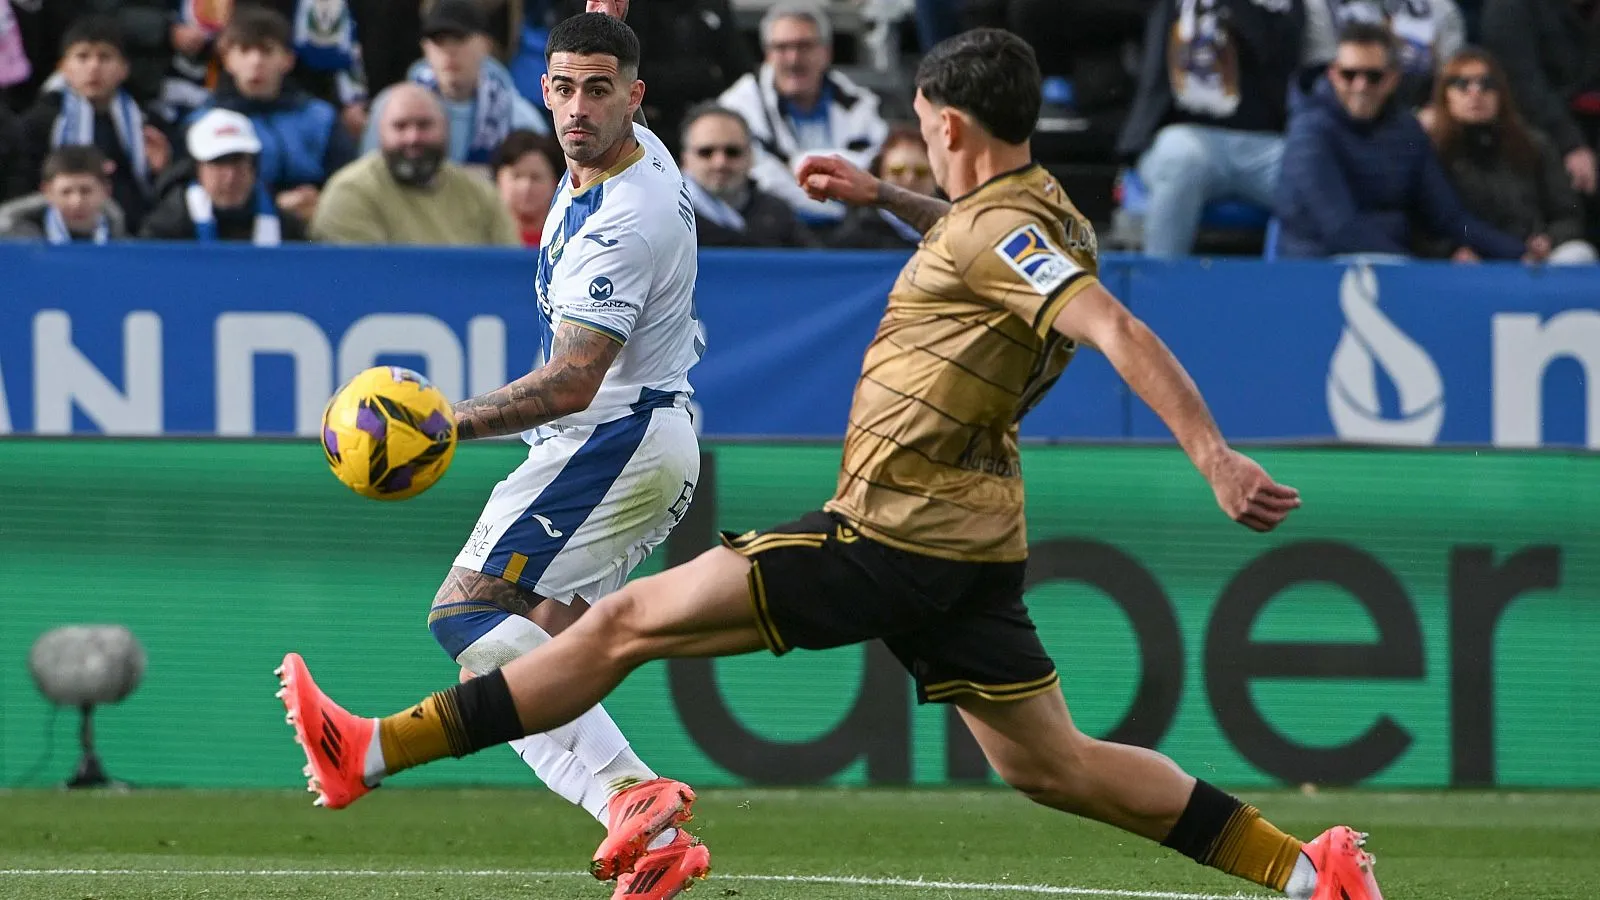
(923,544)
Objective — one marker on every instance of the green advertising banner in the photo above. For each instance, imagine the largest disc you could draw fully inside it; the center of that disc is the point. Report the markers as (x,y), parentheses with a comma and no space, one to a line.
(1428,618)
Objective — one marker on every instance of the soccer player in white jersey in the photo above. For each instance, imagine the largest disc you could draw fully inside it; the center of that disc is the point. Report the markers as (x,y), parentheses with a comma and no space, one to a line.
(613,457)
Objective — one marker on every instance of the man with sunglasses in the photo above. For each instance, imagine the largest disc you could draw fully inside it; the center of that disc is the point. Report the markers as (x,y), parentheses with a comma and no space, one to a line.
(730,210)
(1358,168)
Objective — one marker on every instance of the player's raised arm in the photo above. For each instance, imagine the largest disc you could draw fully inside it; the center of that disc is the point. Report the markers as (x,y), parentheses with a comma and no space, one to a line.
(579,359)
(833,178)
(1243,489)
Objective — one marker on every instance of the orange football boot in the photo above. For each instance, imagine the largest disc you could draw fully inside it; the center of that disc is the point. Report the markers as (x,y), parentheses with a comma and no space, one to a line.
(335,742)
(1344,870)
(666,872)
(637,815)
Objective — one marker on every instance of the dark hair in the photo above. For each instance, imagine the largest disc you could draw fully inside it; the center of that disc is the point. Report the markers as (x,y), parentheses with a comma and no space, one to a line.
(989,74)
(1516,140)
(93,30)
(1369,34)
(595,33)
(521,143)
(80,160)
(257,27)
(899,133)
(709,108)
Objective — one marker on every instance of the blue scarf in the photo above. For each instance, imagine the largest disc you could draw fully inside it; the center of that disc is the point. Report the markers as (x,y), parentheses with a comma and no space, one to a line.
(901,228)
(710,206)
(268,230)
(324,35)
(491,108)
(56,232)
(74,127)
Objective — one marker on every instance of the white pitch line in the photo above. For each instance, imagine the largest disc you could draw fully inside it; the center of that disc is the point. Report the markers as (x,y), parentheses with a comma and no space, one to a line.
(1048,889)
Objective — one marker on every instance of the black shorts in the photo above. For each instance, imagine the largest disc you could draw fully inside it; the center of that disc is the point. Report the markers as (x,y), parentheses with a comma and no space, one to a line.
(960,628)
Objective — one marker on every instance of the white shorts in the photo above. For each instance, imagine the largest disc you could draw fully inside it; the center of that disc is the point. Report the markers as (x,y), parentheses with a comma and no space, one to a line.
(588,505)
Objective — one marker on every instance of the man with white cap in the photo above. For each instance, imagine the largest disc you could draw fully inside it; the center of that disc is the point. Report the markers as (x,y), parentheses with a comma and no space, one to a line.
(226,201)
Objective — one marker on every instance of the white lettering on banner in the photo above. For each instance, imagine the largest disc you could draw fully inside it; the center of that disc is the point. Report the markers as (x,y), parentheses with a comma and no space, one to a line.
(1370,340)
(63,378)
(409,335)
(240,338)
(1523,348)
(486,356)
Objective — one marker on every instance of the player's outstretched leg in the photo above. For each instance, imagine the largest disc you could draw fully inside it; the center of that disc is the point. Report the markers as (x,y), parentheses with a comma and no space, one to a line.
(479,621)
(701,608)
(1035,747)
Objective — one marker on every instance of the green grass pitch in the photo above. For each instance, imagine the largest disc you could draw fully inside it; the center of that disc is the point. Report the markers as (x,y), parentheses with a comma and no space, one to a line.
(814,844)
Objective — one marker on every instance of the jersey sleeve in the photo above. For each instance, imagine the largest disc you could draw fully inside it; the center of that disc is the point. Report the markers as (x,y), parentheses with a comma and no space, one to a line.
(1019,260)
(605,289)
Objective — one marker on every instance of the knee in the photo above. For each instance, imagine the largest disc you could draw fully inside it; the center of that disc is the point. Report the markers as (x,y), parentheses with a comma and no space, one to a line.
(1052,776)
(624,621)
(1180,154)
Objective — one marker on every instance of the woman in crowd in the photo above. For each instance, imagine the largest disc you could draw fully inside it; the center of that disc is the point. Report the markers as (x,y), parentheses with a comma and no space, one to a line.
(1507,173)
(903,162)
(526,169)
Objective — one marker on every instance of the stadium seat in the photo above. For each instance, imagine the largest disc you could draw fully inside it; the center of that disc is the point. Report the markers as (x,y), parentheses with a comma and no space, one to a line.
(1228,215)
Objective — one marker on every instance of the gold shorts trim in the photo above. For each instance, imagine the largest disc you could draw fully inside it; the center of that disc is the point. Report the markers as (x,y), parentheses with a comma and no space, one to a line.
(1021,690)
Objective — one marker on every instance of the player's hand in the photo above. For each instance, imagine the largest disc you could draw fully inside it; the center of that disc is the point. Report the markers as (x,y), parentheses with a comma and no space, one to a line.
(1249,495)
(616,9)
(1582,168)
(832,178)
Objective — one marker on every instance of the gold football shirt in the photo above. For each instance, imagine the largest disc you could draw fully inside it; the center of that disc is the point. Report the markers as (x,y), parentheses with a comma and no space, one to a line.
(964,350)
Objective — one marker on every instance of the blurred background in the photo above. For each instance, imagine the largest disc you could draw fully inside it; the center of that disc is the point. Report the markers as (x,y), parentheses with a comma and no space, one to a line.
(1374,254)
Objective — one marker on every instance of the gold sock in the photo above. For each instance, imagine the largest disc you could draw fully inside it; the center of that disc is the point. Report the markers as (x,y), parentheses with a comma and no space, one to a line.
(465,719)
(1253,848)
(428,731)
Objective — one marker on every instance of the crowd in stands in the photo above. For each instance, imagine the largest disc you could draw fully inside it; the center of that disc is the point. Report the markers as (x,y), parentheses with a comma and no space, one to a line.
(1448,129)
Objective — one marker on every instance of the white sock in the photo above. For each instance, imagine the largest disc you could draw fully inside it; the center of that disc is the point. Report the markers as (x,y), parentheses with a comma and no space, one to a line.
(373,769)
(1303,880)
(586,758)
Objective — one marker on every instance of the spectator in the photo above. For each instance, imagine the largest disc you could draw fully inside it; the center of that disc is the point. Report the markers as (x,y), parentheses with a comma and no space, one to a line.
(903,163)
(1551,53)
(730,210)
(91,108)
(73,205)
(226,201)
(408,192)
(482,104)
(1358,168)
(1427,31)
(526,169)
(15,67)
(797,104)
(1207,123)
(327,54)
(1507,174)
(690,50)
(302,141)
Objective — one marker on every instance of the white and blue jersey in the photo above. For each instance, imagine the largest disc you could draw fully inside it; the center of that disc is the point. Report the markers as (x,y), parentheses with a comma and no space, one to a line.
(618,256)
(602,488)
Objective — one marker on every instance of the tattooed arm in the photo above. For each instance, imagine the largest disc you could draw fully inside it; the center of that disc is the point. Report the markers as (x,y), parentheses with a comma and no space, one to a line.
(832,178)
(917,210)
(564,385)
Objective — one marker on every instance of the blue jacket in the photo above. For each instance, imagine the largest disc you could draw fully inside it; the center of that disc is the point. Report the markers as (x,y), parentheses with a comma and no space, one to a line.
(302,140)
(1356,187)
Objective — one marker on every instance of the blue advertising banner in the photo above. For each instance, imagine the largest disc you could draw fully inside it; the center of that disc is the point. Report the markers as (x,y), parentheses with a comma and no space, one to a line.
(185,339)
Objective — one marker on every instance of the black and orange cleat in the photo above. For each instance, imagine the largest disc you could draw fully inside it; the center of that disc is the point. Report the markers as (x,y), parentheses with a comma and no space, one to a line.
(1344,870)
(637,816)
(335,742)
(666,872)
